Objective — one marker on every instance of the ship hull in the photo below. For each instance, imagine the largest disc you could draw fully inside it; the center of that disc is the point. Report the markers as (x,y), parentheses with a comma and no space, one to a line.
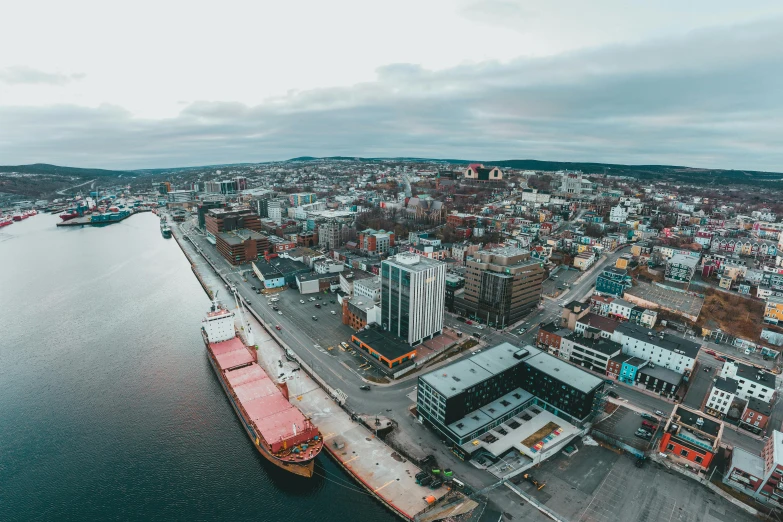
(304,469)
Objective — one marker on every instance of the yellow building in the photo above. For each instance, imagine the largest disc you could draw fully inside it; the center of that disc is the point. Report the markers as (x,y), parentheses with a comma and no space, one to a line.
(773,312)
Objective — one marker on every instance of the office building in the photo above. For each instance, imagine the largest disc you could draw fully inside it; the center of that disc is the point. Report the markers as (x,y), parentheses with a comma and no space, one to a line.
(375,241)
(502,284)
(219,220)
(330,235)
(412,297)
(241,245)
(302,198)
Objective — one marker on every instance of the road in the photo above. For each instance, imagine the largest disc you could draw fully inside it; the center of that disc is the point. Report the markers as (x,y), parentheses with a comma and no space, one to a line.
(310,340)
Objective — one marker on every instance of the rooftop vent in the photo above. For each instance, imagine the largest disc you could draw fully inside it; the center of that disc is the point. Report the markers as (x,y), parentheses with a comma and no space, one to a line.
(475,417)
(700,422)
(456,378)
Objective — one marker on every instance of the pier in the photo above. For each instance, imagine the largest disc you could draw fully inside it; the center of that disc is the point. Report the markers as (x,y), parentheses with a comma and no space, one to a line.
(83,221)
(381,471)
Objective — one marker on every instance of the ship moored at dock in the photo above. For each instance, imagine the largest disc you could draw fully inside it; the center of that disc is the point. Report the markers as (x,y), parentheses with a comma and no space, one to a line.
(278,430)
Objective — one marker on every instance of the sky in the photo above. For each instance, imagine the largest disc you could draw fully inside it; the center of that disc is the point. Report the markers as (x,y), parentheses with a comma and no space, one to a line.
(172,83)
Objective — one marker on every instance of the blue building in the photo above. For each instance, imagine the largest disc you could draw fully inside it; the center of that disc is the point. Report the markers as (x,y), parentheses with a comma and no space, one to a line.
(629,367)
(613,281)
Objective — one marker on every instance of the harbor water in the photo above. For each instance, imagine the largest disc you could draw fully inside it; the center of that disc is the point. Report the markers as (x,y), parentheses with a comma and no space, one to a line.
(109,409)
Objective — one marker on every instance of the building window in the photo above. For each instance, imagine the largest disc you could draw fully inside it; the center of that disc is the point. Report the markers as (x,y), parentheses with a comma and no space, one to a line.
(698,460)
(670,447)
(684,453)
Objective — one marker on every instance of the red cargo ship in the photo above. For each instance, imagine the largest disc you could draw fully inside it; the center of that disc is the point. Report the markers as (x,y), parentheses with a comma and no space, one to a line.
(279,431)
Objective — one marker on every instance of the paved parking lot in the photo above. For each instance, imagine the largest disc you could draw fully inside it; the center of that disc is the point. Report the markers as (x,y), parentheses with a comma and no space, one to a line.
(622,425)
(599,485)
(559,279)
(668,299)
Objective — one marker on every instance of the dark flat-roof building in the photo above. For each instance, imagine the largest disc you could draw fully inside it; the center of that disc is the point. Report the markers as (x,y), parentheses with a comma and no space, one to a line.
(241,245)
(391,351)
(517,377)
(223,219)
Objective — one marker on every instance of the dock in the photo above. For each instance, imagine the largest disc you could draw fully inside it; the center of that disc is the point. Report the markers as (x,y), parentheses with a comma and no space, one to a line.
(86,221)
(385,474)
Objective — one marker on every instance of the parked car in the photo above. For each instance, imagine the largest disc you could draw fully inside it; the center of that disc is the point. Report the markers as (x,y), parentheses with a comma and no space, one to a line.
(315,318)
(660,413)
(331,301)
(334,313)
(648,424)
(275,308)
(480,327)
(279,312)
(710,352)
(274,299)
(722,359)
(258,291)
(647,416)
(319,297)
(613,394)
(278,327)
(522,330)
(301,301)
(344,345)
(317,305)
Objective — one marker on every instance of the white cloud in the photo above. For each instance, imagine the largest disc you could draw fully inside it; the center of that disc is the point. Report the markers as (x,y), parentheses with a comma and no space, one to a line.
(494,79)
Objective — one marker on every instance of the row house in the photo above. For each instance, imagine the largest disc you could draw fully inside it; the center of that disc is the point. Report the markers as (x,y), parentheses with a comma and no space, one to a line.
(751,381)
(744,246)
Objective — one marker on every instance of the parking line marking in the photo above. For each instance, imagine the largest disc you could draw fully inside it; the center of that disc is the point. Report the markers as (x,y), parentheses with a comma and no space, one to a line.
(380,488)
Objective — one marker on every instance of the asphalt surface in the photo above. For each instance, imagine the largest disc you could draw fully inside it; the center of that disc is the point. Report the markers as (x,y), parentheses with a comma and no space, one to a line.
(311,340)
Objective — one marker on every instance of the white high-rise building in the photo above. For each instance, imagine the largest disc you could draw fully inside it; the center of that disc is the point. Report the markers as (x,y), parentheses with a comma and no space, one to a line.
(413,290)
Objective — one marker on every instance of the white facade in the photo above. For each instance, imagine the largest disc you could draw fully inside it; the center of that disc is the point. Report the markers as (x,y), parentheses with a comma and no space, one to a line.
(649,351)
(618,214)
(751,382)
(620,308)
(219,325)
(413,292)
(720,400)
(369,288)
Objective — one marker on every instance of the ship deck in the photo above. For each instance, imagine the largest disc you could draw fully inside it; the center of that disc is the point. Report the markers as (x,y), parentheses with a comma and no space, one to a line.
(271,414)
(377,466)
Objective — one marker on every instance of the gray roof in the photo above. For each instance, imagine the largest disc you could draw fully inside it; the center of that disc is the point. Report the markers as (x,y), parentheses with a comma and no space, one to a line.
(683,259)
(412,262)
(662,374)
(564,372)
(727,385)
(747,462)
(669,341)
(454,378)
(494,410)
(689,418)
(598,344)
(745,371)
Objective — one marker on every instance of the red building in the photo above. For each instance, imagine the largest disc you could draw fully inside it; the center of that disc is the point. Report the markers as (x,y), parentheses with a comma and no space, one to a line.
(692,437)
(549,337)
(756,415)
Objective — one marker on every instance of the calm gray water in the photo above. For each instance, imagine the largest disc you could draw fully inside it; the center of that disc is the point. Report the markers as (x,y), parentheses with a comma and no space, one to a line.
(109,409)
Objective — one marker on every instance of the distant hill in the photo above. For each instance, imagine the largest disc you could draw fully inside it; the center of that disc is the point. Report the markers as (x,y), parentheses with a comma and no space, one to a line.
(56,170)
(675,173)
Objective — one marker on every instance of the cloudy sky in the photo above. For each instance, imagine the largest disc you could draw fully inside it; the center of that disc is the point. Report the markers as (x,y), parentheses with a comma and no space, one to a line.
(175,83)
